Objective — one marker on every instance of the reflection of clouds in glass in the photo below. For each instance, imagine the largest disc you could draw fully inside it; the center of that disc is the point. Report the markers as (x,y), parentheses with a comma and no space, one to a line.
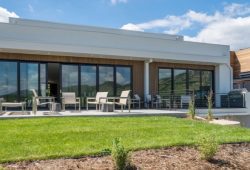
(122,79)
(88,75)
(123,75)
(8,80)
(28,76)
(105,74)
(89,79)
(69,75)
(7,89)
(166,73)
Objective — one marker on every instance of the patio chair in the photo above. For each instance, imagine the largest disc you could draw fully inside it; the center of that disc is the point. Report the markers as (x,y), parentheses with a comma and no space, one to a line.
(148,101)
(37,101)
(157,101)
(124,100)
(136,100)
(69,98)
(185,99)
(101,97)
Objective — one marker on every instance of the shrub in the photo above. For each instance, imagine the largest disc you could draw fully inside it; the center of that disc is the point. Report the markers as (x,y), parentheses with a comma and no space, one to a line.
(191,108)
(120,156)
(210,105)
(207,146)
(105,152)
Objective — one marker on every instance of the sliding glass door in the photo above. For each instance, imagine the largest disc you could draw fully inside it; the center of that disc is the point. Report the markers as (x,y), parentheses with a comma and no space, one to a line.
(32,76)
(165,82)
(88,82)
(70,78)
(123,79)
(184,82)
(106,79)
(28,81)
(8,81)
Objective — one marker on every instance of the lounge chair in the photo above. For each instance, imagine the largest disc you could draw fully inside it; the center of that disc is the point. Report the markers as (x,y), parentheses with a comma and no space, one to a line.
(101,97)
(136,100)
(157,101)
(37,102)
(69,98)
(185,99)
(124,99)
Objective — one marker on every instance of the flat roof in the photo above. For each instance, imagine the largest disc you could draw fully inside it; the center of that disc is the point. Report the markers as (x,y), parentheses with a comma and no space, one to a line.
(49,38)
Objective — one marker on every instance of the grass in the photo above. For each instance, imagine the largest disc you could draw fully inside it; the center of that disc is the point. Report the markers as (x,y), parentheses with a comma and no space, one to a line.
(45,138)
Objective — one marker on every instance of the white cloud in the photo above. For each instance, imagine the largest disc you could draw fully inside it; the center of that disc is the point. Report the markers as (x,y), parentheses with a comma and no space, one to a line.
(113,2)
(131,27)
(230,26)
(5,14)
(231,31)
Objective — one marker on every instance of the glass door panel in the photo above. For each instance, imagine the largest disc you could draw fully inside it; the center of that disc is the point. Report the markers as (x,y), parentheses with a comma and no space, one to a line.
(123,79)
(28,80)
(69,75)
(88,81)
(165,82)
(106,79)
(8,81)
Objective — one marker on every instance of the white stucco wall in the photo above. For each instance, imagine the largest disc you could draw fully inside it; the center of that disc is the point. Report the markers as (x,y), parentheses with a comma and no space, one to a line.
(223,81)
(45,37)
(38,37)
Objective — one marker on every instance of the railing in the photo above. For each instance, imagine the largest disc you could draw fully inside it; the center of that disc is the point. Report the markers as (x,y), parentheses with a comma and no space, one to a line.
(181,99)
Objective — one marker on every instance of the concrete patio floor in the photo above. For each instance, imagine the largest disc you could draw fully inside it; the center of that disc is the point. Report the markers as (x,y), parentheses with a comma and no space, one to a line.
(139,112)
(133,112)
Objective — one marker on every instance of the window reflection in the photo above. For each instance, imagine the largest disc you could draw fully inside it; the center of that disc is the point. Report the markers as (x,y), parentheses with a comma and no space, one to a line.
(70,78)
(88,81)
(165,82)
(194,80)
(123,79)
(106,79)
(43,79)
(8,81)
(179,81)
(28,81)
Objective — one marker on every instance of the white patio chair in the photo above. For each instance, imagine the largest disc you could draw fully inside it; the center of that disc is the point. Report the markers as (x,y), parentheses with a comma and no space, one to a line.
(157,101)
(124,100)
(185,99)
(136,100)
(148,101)
(69,98)
(37,102)
(101,97)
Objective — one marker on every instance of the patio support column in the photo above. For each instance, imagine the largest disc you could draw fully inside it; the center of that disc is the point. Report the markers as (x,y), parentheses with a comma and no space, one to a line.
(146,79)
(223,82)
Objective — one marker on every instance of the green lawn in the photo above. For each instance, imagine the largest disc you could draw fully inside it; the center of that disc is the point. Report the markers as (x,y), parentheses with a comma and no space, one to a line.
(43,138)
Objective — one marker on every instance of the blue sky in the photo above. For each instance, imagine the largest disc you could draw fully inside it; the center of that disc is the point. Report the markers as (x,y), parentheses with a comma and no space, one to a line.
(197,20)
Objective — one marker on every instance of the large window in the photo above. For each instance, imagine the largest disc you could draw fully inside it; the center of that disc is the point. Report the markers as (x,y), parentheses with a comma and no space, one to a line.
(88,81)
(43,79)
(106,79)
(8,81)
(194,80)
(70,78)
(207,80)
(28,80)
(165,81)
(185,81)
(123,79)
(180,81)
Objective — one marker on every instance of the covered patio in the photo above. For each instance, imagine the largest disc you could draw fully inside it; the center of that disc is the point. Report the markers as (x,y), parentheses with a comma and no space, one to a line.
(181,113)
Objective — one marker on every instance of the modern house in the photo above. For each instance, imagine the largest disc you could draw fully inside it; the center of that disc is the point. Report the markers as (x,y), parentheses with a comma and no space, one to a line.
(241,69)
(54,58)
